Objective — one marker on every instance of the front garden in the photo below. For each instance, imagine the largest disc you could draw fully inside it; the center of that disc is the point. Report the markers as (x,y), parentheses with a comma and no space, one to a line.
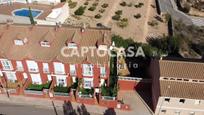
(38,87)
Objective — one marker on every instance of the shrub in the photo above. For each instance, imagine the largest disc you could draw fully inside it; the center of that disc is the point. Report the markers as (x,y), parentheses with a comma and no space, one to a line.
(137,16)
(80,10)
(102,10)
(72,4)
(119,12)
(95,4)
(98,16)
(87,91)
(61,89)
(35,87)
(116,17)
(130,5)
(153,23)
(123,23)
(105,5)
(141,4)
(92,8)
(123,3)
(47,85)
(86,3)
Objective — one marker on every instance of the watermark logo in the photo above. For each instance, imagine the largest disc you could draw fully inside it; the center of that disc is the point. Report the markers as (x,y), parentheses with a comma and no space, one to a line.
(93,52)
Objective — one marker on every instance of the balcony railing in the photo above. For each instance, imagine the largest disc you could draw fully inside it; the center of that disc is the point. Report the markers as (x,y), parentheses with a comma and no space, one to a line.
(85,96)
(61,94)
(108,98)
(27,91)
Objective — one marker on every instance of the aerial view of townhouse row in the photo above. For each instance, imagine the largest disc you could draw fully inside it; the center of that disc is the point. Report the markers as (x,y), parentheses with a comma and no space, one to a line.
(101,57)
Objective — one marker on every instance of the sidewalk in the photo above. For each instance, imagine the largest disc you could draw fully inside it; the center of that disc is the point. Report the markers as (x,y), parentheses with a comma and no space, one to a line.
(47,103)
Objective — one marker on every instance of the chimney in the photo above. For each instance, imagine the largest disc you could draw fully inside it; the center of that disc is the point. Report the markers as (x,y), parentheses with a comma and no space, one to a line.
(58,25)
(8,23)
(25,40)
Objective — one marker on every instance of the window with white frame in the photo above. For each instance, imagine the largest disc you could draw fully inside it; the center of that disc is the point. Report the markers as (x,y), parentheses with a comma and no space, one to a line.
(46,68)
(72,45)
(19,65)
(72,68)
(25,76)
(44,44)
(59,68)
(11,76)
(102,71)
(49,77)
(88,83)
(18,42)
(61,80)
(87,70)
(6,64)
(32,66)
(36,78)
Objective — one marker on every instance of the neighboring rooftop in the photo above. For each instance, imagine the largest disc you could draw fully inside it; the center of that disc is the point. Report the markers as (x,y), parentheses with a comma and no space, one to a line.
(181,79)
(56,36)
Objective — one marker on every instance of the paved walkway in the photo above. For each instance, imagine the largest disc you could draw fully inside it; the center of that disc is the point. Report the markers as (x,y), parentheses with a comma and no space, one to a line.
(136,103)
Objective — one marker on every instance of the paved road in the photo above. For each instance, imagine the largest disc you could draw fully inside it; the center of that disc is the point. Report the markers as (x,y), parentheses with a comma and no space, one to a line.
(12,109)
(170,7)
(47,104)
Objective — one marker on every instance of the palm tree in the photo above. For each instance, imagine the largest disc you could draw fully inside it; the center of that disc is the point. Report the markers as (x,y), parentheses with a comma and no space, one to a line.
(30,14)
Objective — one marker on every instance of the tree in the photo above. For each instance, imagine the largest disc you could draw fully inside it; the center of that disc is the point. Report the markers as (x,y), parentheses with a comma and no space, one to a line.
(30,14)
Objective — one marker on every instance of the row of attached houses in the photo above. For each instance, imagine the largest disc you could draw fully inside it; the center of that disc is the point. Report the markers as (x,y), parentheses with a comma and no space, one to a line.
(35,53)
(177,87)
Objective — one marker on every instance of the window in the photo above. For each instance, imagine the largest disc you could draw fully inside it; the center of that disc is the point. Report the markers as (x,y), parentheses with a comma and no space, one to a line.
(72,68)
(61,80)
(59,68)
(177,112)
(87,70)
(163,111)
(182,100)
(11,76)
(19,42)
(19,65)
(32,66)
(44,44)
(102,71)
(72,45)
(192,113)
(6,65)
(25,76)
(167,99)
(46,68)
(102,81)
(88,83)
(36,78)
(49,77)
(197,102)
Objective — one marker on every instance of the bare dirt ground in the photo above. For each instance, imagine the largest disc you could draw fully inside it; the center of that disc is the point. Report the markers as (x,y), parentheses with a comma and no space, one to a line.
(137,29)
(159,30)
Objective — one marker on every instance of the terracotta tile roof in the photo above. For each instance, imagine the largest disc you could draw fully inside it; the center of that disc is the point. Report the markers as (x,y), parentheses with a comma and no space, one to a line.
(59,5)
(181,69)
(182,89)
(176,72)
(33,50)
